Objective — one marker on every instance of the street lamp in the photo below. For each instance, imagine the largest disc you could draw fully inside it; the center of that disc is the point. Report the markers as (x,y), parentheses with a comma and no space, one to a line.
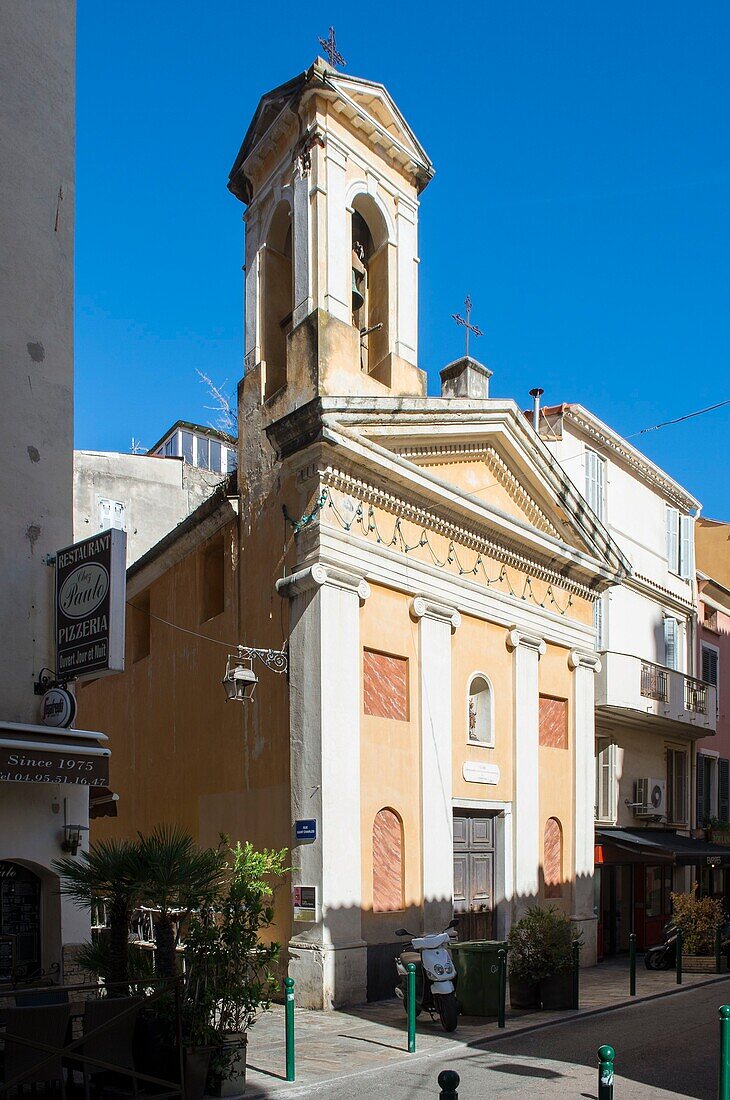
(240,680)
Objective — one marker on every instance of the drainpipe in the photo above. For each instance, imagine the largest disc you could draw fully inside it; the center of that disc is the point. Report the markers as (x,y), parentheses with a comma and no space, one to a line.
(536,394)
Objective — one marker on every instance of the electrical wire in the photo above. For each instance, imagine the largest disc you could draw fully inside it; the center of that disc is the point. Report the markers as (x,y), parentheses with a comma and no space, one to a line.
(184,629)
(679,419)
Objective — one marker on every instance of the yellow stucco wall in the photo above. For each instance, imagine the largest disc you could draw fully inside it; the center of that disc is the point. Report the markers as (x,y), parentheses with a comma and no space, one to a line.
(556,766)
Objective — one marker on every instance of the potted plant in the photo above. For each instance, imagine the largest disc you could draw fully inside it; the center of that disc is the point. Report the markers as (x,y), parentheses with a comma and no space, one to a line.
(230,972)
(525,962)
(698,919)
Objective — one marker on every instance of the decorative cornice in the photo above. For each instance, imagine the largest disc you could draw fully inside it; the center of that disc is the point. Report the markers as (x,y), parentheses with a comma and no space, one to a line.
(316,576)
(422,607)
(516,638)
(656,587)
(496,465)
(633,458)
(367,493)
(582,658)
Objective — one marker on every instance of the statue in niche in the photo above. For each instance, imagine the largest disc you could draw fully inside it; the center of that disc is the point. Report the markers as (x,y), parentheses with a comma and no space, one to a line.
(473,719)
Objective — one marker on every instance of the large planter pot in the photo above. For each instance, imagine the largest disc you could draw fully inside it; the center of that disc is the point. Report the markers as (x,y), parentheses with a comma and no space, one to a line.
(523,993)
(702,964)
(233,1043)
(556,992)
(197,1060)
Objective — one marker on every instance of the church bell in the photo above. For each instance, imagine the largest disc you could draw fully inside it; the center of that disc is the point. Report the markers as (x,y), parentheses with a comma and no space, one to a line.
(357,299)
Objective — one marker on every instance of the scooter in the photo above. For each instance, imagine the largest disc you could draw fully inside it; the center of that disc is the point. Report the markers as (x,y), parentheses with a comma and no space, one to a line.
(663,956)
(435,975)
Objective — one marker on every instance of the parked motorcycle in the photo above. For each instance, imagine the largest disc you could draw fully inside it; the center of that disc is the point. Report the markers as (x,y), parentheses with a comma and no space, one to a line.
(435,975)
(663,956)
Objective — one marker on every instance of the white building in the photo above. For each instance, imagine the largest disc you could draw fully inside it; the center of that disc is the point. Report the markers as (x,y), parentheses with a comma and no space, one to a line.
(650,707)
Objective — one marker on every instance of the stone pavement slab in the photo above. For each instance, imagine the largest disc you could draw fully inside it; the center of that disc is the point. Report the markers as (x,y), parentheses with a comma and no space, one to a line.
(341,1045)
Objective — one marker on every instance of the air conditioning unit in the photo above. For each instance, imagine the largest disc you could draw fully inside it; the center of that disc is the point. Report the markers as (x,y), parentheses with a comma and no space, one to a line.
(651,798)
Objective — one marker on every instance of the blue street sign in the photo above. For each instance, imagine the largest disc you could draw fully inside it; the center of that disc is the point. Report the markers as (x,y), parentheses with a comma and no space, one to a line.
(306,830)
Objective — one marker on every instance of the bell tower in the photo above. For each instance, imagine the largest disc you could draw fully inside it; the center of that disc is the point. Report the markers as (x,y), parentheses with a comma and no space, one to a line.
(330,174)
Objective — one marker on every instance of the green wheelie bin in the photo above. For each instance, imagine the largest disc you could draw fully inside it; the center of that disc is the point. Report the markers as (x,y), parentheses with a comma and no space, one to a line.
(477,968)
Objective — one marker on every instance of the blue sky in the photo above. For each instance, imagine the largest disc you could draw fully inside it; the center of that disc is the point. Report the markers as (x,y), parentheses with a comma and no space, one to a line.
(581,197)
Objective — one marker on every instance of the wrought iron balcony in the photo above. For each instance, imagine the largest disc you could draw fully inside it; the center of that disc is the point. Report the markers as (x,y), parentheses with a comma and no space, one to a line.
(653,695)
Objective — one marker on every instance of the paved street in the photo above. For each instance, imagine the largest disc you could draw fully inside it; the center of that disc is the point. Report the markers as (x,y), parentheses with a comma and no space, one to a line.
(666,1047)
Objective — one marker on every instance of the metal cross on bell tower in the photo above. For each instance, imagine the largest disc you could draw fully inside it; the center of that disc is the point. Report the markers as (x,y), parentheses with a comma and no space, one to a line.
(329,45)
(466,323)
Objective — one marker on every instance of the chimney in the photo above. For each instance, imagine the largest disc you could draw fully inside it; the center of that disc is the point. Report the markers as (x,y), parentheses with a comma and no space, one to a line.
(536,394)
(466,377)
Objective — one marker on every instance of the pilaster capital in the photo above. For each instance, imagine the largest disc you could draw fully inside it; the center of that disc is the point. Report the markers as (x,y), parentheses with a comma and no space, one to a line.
(318,575)
(516,638)
(424,608)
(584,658)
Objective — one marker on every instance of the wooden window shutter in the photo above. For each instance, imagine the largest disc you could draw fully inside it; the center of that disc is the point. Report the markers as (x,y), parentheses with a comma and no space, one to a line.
(723,789)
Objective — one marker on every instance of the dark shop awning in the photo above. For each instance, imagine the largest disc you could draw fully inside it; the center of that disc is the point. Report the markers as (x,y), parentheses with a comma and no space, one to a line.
(663,846)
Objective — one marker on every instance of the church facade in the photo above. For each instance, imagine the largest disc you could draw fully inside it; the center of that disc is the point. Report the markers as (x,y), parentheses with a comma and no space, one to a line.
(424,560)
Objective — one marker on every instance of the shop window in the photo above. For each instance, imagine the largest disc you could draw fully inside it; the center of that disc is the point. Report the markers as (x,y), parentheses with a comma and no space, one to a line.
(387,862)
(480,717)
(212,579)
(552,860)
(139,625)
(385,685)
(553,722)
(676,787)
(658,889)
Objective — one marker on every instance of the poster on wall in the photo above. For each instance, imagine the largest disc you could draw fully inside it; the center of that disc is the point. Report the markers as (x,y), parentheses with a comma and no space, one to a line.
(90,599)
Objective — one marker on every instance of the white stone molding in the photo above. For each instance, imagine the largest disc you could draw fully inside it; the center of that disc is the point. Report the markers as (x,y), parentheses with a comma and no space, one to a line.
(582,658)
(517,639)
(338,255)
(423,607)
(316,576)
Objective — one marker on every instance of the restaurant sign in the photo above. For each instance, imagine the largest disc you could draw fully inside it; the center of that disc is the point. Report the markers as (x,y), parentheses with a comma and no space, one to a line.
(90,594)
(45,765)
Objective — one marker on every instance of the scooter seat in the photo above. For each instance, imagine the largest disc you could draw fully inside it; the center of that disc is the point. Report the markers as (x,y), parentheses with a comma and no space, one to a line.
(410,957)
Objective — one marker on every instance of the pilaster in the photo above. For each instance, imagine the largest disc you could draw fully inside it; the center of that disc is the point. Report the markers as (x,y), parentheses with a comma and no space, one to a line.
(407,282)
(584,665)
(328,956)
(527,648)
(338,252)
(437,622)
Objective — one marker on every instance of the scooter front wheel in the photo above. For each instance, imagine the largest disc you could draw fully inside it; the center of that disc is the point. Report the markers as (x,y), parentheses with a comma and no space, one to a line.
(448,1009)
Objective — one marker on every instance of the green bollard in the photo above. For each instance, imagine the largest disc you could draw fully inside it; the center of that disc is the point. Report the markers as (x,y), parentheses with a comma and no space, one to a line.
(502,957)
(606,1056)
(632,964)
(718,950)
(723,1090)
(576,976)
(289,1017)
(411,1008)
(448,1080)
(679,956)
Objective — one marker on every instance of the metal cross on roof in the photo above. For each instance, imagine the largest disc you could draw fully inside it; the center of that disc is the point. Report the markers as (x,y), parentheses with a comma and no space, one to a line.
(329,45)
(466,323)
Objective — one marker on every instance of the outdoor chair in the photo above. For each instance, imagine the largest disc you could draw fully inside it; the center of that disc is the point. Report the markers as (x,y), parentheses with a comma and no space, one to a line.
(46,1025)
(117,1018)
(33,998)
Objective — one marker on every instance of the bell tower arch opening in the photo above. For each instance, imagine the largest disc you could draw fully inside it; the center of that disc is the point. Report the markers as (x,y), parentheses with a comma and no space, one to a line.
(277,298)
(371,281)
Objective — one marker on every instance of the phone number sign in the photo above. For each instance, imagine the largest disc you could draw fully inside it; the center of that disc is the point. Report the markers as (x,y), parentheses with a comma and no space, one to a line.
(44,766)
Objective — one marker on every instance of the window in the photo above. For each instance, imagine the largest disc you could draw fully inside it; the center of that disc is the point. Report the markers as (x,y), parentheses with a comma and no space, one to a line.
(598,623)
(203,451)
(187,447)
(112,514)
(385,685)
(658,890)
(479,712)
(606,780)
(710,664)
(212,579)
(723,789)
(673,539)
(387,862)
(670,642)
(139,626)
(680,544)
(552,859)
(553,722)
(596,483)
(706,788)
(215,455)
(676,787)
(232,459)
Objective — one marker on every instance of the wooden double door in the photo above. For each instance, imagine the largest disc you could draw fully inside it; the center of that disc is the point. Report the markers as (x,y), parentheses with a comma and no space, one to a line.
(474,857)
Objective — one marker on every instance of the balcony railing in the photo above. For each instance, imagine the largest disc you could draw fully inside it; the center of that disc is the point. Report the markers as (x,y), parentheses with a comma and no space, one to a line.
(695,695)
(654,682)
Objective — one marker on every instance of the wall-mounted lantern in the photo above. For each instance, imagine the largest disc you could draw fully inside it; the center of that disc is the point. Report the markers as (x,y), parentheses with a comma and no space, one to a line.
(72,837)
(240,680)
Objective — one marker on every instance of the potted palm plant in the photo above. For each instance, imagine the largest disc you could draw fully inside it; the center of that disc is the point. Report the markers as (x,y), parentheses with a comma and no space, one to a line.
(525,962)
(541,959)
